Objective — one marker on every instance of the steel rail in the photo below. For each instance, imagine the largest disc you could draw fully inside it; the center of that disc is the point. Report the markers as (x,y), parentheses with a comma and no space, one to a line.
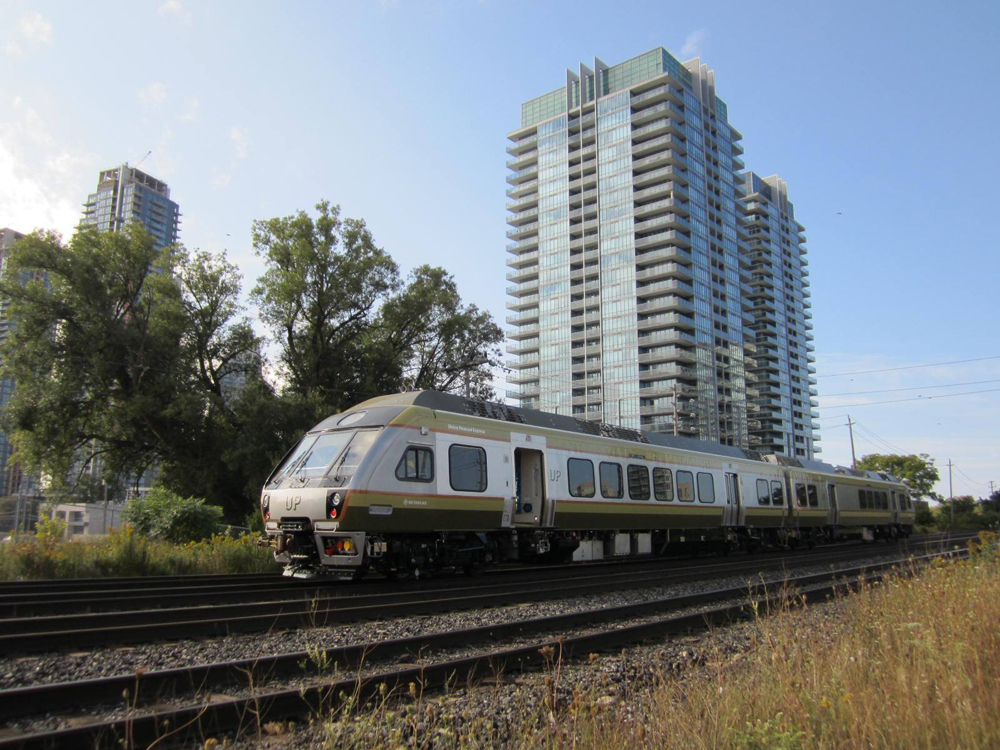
(234,714)
(102,600)
(78,632)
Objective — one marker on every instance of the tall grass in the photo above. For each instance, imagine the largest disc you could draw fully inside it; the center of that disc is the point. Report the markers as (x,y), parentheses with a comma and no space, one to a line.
(125,553)
(908,663)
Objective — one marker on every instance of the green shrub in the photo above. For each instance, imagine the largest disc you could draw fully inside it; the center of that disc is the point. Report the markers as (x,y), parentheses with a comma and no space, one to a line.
(163,514)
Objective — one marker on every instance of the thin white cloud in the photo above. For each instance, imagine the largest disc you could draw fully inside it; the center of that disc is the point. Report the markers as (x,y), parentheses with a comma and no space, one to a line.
(13,50)
(692,45)
(152,94)
(241,141)
(171,7)
(35,28)
(42,183)
(192,111)
(221,180)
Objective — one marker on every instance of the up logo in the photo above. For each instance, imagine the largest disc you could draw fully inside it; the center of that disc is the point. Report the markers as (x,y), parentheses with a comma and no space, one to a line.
(291,503)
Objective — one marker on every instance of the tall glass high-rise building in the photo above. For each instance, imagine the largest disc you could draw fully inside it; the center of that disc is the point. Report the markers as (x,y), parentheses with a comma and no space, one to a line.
(628,251)
(782,328)
(125,194)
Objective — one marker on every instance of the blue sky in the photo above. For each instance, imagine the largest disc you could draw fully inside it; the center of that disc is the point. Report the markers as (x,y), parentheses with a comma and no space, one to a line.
(881,117)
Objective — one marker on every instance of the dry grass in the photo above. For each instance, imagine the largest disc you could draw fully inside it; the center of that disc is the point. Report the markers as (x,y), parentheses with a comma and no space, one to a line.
(125,553)
(909,663)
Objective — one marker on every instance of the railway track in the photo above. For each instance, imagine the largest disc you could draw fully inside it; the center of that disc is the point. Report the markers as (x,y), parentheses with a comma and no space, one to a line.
(193,716)
(218,613)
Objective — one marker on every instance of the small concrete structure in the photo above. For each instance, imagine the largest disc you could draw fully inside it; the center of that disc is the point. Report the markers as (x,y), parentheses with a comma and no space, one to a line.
(88,519)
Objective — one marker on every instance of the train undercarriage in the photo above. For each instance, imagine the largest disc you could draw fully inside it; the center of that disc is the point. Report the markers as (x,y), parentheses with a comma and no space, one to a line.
(350,555)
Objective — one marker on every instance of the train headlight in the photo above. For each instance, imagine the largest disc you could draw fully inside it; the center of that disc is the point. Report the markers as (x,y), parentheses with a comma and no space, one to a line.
(333,504)
(265,506)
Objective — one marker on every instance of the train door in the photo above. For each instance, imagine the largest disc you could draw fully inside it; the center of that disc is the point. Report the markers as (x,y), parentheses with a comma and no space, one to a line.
(731,513)
(530,494)
(831,491)
(894,507)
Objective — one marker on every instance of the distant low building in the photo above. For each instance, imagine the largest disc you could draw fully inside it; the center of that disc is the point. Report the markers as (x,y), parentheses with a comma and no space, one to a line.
(88,519)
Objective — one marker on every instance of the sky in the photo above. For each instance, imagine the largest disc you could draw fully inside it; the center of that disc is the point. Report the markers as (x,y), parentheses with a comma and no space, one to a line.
(879,115)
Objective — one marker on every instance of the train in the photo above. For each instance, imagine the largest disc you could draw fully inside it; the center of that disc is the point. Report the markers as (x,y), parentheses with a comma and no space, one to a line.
(412,483)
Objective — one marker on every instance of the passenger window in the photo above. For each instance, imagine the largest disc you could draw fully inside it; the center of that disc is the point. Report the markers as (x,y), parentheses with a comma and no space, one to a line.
(685,486)
(866,499)
(813,496)
(467,468)
(763,492)
(580,472)
(800,495)
(885,500)
(706,488)
(777,493)
(611,481)
(663,484)
(638,482)
(416,465)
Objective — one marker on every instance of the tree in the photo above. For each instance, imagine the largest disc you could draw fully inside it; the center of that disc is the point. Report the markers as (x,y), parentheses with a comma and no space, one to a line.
(120,352)
(349,329)
(916,471)
(318,295)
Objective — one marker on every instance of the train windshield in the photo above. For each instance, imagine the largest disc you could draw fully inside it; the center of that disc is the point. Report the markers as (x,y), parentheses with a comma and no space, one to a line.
(334,455)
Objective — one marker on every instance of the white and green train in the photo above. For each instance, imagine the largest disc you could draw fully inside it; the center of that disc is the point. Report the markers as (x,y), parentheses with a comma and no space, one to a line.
(419,481)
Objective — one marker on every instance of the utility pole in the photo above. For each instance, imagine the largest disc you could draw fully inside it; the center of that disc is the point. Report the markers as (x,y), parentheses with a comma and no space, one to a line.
(850,428)
(619,412)
(951,494)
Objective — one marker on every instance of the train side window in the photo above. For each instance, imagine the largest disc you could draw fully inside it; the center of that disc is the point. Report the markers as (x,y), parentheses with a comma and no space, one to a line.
(777,493)
(663,484)
(865,499)
(884,500)
(800,495)
(763,492)
(467,468)
(813,496)
(638,482)
(580,472)
(706,488)
(416,465)
(685,486)
(611,481)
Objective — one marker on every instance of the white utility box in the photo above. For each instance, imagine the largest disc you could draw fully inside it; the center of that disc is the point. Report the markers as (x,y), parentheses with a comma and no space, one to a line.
(619,544)
(589,549)
(642,544)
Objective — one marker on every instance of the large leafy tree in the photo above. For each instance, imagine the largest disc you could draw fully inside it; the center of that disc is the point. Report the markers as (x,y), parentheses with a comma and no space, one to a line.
(347,326)
(916,471)
(120,352)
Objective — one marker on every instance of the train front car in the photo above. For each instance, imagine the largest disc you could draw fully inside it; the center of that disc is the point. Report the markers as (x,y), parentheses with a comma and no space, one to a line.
(305,500)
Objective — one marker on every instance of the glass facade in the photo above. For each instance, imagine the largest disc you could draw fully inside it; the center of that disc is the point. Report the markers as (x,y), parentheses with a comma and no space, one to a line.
(782,329)
(629,264)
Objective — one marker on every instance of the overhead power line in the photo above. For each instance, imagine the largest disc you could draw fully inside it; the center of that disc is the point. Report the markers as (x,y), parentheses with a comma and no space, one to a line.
(907,367)
(899,401)
(912,388)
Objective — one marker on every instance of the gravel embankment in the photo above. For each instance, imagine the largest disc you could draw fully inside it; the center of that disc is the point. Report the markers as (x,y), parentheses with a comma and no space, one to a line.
(127,660)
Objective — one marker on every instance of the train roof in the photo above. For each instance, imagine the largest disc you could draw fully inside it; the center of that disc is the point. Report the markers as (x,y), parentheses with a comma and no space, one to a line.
(449,402)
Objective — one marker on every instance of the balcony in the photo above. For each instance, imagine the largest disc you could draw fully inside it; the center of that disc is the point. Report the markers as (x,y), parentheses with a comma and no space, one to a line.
(657,128)
(520,303)
(673,221)
(518,146)
(523,274)
(522,230)
(521,245)
(666,320)
(520,162)
(523,332)
(654,144)
(528,201)
(663,173)
(526,316)
(666,204)
(531,345)
(663,270)
(520,190)
(522,260)
(662,304)
(658,239)
(525,174)
(523,216)
(663,286)
(665,354)
(649,113)
(520,290)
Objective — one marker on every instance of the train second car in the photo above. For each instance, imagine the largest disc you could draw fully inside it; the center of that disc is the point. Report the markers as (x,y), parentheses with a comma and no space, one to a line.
(413,482)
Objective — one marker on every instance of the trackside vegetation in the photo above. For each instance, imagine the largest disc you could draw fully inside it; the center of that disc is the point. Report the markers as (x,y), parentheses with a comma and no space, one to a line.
(46,554)
(912,662)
